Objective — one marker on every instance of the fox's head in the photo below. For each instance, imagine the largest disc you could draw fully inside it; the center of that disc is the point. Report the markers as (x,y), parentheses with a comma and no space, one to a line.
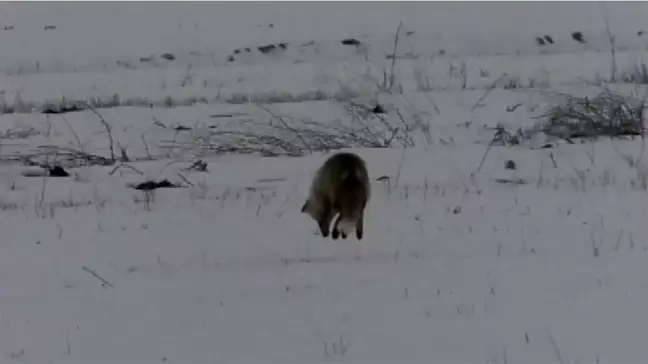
(308,208)
(319,214)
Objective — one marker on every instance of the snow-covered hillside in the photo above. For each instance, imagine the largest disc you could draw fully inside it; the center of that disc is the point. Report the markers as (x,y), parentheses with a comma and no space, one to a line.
(474,251)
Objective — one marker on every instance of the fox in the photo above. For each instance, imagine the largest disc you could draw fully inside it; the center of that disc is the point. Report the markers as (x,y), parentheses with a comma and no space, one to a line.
(340,186)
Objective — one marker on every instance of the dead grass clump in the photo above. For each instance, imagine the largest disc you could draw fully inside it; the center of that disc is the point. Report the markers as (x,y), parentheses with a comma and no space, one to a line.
(288,136)
(607,114)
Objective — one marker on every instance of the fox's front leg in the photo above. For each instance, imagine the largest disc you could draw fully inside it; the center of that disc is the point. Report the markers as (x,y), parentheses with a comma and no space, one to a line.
(324,221)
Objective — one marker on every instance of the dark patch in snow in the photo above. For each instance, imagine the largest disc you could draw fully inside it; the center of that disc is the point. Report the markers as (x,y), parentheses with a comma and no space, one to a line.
(168,56)
(198,166)
(378,109)
(578,36)
(62,109)
(56,171)
(181,128)
(266,48)
(152,185)
(510,164)
(351,41)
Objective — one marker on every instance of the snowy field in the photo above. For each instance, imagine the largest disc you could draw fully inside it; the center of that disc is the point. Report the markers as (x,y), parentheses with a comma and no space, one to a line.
(464,259)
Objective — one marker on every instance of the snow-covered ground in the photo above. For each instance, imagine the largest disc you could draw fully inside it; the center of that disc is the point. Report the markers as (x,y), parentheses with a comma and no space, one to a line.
(455,266)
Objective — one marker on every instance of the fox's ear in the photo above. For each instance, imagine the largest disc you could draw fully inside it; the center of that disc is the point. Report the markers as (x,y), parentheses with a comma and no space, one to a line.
(303,209)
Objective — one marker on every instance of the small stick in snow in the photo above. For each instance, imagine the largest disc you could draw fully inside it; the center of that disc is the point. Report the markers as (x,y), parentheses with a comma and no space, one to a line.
(103,281)
(393,64)
(488,91)
(185,179)
(555,347)
(76,136)
(108,130)
(124,165)
(148,153)
(553,160)
(67,343)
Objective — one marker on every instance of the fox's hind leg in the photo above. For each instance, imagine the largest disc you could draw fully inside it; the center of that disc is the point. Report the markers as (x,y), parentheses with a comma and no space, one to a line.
(336,230)
(342,227)
(359,228)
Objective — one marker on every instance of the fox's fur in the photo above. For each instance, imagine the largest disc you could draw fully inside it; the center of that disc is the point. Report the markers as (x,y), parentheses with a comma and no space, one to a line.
(340,186)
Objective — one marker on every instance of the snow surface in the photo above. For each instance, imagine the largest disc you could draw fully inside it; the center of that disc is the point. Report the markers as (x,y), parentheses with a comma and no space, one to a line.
(454,267)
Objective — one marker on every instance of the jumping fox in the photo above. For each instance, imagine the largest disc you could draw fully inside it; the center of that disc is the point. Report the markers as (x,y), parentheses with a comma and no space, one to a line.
(341,185)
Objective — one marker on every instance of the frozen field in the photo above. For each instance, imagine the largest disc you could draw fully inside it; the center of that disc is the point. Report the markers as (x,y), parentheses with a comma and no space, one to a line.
(463,260)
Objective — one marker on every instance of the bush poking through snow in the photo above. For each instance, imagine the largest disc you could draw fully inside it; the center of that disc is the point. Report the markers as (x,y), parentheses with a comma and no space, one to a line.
(65,157)
(607,114)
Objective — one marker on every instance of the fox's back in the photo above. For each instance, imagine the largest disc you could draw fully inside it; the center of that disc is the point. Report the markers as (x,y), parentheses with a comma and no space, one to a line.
(343,174)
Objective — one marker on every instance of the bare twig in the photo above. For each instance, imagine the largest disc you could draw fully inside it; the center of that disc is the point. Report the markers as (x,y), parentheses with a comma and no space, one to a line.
(158,122)
(553,160)
(555,347)
(124,165)
(146,148)
(67,343)
(76,136)
(464,74)
(187,76)
(393,64)
(612,39)
(167,165)
(43,185)
(297,133)
(185,179)
(175,137)
(436,108)
(488,91)
(595,248)
(490,145)
(108,129)
(400,168)
(104,283)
